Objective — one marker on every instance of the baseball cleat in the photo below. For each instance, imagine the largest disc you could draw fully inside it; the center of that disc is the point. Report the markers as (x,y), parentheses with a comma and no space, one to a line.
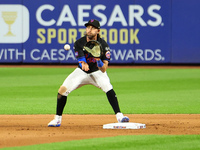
(121,118)
(56,122)
(125,119)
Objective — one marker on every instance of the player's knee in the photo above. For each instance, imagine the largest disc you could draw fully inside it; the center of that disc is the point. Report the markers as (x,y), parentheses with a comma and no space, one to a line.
(62,90)
(107,88)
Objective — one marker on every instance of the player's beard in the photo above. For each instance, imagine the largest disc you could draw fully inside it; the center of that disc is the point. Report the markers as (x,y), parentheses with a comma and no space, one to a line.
(91,36)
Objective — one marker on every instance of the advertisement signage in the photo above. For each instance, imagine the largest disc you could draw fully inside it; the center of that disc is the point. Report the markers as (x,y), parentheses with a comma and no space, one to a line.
(137,31)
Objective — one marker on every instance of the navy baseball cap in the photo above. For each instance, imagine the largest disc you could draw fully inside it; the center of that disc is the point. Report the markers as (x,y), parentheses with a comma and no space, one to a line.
(93,22)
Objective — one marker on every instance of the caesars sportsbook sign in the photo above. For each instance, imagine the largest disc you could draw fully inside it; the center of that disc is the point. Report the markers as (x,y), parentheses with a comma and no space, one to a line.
(35,32)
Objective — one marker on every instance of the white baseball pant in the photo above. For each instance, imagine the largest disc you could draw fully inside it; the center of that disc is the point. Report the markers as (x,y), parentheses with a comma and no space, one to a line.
(78,78)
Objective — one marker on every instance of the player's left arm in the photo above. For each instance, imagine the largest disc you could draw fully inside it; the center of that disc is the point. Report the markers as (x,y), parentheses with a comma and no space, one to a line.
(102,65)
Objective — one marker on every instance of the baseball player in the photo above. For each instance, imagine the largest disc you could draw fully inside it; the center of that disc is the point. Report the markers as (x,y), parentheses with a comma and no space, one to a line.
(90,70)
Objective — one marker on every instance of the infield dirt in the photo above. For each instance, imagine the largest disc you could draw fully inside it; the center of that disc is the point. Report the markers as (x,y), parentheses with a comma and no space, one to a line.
(21,130)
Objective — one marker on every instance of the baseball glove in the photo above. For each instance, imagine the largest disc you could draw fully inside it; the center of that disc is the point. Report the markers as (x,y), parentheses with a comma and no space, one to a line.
(94,48)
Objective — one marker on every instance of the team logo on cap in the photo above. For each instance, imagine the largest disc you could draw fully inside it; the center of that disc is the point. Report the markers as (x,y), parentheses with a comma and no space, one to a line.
(92,20)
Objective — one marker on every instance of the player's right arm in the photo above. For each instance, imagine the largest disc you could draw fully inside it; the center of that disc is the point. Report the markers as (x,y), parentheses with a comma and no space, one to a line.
(83,64)
(80,56)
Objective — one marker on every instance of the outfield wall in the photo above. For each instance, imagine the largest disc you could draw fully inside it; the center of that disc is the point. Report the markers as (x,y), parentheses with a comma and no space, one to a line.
(137,31)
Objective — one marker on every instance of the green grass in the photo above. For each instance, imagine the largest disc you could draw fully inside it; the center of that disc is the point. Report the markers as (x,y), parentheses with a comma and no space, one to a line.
(137,142)
(139,91)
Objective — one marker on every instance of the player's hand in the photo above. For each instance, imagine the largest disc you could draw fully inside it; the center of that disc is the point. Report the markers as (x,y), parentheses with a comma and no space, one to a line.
(85,66)
(97,59)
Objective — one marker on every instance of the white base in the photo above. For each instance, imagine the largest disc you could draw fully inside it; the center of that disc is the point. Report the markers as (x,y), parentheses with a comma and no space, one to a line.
(127,125)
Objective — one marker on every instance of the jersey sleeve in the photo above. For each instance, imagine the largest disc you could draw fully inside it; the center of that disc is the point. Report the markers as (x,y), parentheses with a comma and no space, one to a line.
(78,49)
(106,51)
